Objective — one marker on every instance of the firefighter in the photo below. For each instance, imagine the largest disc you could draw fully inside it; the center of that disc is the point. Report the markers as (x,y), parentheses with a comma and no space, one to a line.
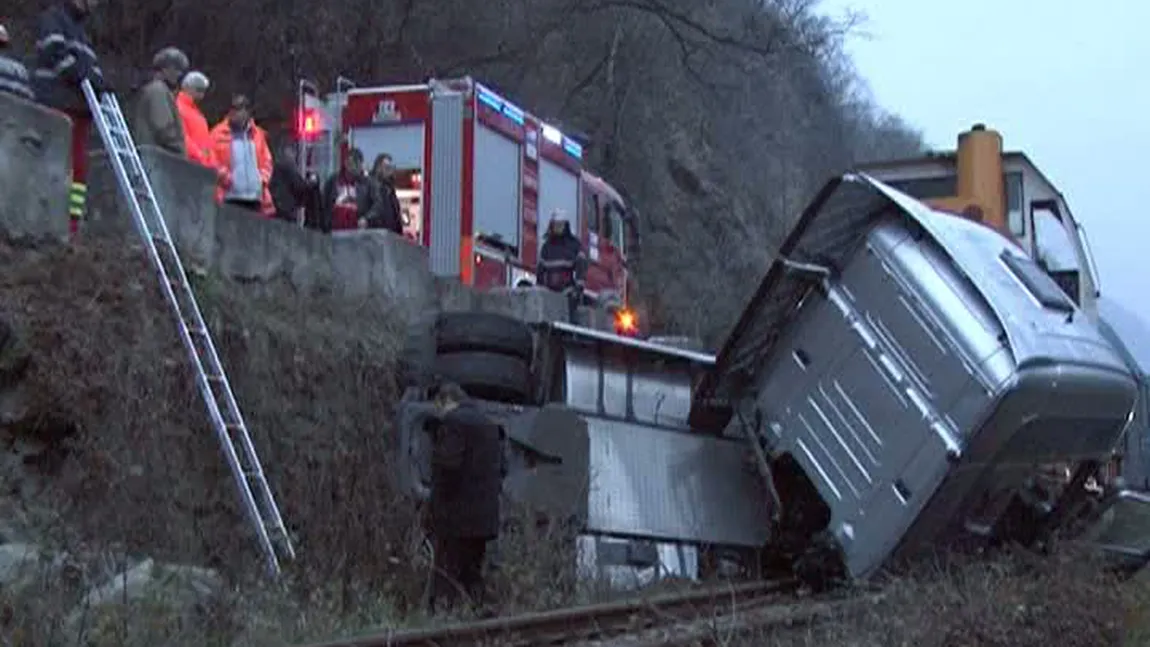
(561,261)
(13,74)
(157,120)
(351,199)
(64,58)
(468,466)
(241,148)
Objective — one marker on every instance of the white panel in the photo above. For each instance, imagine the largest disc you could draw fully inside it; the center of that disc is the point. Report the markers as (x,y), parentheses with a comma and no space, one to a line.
(496,185)
(446,183)
(404,143)
(558,188)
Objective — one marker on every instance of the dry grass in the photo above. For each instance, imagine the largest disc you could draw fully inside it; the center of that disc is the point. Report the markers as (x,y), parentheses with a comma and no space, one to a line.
(131,467)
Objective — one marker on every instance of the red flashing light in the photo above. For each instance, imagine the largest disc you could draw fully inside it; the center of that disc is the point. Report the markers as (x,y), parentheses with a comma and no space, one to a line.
(626,323)
(308,124)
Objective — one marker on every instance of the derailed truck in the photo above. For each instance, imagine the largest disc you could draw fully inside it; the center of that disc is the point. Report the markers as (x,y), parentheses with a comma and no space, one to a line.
(905,379)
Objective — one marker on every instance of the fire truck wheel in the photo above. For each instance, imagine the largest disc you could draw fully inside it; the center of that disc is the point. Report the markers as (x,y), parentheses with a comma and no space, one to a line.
(483,331)
(486,375)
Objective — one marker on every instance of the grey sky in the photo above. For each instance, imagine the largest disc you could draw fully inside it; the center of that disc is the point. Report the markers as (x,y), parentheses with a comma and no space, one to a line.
(1064,82)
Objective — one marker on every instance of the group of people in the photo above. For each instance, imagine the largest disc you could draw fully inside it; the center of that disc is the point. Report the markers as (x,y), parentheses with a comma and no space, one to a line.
(167,114)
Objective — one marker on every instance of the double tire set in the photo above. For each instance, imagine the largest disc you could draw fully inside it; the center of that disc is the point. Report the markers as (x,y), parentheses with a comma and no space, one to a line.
(487,354)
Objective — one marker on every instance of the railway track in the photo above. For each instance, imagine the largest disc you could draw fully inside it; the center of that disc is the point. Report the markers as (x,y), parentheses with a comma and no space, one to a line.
(690,618)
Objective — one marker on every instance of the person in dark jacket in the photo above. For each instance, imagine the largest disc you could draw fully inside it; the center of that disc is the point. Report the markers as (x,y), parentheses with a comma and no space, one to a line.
(468,466)
(291,190)
(562,263)
(13,74)
(350,198)
(390,213)
(64,58)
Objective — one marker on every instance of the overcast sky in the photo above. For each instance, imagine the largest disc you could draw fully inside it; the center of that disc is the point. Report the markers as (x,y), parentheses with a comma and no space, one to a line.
(1066,82)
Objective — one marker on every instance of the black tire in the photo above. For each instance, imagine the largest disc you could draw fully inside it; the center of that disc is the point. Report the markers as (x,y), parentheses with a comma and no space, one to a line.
(483,331)
(490,376)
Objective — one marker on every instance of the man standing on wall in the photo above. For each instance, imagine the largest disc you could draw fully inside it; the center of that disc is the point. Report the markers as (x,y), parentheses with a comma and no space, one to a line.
(351,199)
(64,58)
(241,148)
(157,119)
(468,465)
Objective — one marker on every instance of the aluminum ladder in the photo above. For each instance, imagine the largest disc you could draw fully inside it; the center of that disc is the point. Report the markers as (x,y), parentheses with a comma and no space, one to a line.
(232,432)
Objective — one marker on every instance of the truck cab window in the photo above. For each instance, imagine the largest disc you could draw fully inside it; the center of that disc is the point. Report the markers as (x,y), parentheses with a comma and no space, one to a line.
(1014,215)
(1054,250)
(614,216)
(1052,245)
(591,211)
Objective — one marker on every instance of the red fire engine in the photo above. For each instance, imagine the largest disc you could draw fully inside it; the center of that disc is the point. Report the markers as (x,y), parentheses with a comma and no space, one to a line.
(478,179)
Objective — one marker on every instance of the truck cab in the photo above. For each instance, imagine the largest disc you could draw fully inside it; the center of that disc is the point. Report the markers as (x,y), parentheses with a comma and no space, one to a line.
(1019,200)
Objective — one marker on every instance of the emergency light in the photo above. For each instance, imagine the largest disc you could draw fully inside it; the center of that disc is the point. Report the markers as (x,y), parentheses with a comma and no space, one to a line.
(626,323)
(309,125)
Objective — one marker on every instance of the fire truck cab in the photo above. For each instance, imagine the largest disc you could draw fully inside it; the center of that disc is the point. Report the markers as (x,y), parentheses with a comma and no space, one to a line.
(478,179)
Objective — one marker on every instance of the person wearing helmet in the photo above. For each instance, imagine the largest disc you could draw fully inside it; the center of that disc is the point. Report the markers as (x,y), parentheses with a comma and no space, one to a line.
(157,119)
(561,260)
(64,60)
(13,74)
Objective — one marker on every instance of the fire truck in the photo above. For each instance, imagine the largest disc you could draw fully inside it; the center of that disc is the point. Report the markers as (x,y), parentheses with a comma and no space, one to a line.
(478,179)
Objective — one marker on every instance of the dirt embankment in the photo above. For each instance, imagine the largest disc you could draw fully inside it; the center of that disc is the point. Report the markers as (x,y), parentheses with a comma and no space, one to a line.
(113,439)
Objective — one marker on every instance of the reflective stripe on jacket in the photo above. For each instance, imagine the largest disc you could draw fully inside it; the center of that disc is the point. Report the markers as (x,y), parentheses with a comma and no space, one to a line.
(64,58)
(14,78)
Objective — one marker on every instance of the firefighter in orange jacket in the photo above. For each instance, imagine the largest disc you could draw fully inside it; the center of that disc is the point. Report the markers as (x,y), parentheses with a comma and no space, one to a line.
(241,149)
(197,135)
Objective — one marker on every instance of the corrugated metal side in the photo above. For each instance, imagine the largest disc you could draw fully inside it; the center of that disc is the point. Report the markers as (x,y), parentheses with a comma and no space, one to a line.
(648,482)
(447,176)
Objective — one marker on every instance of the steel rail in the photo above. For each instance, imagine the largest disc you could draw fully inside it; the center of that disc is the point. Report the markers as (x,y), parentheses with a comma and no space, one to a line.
(583,623)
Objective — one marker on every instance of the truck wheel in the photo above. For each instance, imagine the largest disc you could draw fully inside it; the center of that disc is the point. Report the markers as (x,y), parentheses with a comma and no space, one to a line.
(483,331)
(487,375)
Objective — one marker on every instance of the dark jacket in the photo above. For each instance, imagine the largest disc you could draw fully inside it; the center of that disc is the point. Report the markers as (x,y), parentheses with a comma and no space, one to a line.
(466,475)
(368,201)
(64,58)
(561,260)
(390,217)
(14,78)
(289,189)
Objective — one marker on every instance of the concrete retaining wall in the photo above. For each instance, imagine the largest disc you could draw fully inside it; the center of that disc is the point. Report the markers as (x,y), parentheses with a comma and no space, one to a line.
(35,178)
(35,172)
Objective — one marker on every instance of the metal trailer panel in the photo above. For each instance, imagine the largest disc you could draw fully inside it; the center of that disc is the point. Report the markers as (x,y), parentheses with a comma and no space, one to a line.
(558,189)
(446,182)
(888,342)
(659,484)
(630,564)
(496,185)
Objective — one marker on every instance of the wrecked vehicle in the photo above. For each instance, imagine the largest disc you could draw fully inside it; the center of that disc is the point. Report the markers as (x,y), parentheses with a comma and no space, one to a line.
(907,374)
(907,378)
(597,437)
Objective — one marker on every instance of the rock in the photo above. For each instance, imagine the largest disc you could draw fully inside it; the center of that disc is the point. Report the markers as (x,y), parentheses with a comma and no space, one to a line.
(20,564)
(171,594)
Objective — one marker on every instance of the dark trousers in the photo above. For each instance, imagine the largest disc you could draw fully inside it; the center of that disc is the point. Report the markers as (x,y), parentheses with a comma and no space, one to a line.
(250,205)
(458,570)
